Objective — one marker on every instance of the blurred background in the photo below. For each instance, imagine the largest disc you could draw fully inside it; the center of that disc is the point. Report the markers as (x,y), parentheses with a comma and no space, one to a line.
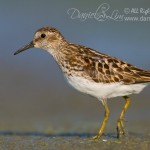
(34,97)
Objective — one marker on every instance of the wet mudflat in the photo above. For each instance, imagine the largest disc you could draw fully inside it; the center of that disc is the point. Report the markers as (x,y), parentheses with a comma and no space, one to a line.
(67,141)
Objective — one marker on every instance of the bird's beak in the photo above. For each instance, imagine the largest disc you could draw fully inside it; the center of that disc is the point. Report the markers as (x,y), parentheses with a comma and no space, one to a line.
(30,45)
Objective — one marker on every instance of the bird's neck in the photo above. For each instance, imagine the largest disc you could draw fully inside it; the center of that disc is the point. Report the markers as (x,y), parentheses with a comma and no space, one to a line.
(65,55)
(59,51)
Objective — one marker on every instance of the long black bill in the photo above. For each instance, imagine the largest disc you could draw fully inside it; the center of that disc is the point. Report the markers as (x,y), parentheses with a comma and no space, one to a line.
(30,45)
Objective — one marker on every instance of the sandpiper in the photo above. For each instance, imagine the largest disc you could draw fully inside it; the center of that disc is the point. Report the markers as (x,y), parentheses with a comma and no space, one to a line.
(92,72)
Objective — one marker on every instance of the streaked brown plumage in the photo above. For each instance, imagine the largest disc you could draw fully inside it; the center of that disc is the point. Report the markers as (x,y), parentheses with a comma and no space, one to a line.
(101,67)
(95,65)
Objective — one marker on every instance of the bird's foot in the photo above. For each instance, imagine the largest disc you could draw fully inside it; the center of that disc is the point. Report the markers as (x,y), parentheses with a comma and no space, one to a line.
(120,129)
(96,137)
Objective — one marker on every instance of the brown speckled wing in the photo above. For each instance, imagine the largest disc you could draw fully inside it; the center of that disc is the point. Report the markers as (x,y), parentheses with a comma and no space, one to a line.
(107,69)
(100,67)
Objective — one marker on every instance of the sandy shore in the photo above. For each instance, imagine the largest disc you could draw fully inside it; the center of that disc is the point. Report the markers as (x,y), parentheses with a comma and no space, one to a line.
(39,141)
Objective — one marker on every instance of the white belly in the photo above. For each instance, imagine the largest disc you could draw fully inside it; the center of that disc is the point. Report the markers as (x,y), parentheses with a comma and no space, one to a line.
(100,90)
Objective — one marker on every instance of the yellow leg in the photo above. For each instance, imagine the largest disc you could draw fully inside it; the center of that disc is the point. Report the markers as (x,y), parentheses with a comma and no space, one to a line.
(120,125)
(104,121)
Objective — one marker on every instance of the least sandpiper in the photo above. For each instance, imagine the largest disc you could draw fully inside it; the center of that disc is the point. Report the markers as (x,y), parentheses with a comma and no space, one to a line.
(92,72)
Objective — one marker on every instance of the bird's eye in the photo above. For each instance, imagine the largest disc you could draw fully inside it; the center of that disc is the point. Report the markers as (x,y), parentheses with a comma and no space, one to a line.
(43,35)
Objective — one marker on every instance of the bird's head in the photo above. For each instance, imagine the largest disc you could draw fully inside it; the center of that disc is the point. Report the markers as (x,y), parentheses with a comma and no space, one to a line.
(47,38)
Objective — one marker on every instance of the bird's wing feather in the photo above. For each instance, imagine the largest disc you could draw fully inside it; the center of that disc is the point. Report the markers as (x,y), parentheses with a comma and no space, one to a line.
(103,68)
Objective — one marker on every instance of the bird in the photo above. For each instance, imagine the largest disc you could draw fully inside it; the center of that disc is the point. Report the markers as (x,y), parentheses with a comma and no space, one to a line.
(91,72)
